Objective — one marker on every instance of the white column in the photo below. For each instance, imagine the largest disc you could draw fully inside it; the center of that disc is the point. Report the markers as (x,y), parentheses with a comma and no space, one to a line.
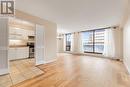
(3,46)
(39,45)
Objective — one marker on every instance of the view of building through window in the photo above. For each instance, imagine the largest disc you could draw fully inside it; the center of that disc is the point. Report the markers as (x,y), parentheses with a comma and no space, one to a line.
(93,41)
(68,42)
(99,41)
(87,40)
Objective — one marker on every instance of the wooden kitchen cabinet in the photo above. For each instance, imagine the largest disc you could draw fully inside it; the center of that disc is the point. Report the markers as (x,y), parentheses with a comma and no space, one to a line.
(18,53)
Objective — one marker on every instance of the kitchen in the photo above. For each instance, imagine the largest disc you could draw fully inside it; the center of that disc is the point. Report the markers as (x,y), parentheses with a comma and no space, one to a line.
(21,53)
(21,39)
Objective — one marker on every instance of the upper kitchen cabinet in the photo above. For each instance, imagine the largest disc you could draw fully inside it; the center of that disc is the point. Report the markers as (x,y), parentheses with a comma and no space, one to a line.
(18,33)
(20,30)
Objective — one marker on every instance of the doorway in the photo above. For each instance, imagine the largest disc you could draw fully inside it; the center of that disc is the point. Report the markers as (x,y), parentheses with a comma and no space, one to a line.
(23,52)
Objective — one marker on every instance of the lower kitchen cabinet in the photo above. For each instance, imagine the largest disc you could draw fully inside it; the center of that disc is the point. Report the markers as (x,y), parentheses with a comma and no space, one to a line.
(18,53)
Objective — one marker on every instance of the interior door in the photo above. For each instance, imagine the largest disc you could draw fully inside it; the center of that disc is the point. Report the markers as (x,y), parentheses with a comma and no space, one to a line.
(39,45)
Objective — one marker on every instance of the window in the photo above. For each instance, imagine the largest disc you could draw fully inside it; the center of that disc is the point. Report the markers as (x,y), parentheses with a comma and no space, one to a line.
(88,41)
(68,42)
(93,41)
(99,41)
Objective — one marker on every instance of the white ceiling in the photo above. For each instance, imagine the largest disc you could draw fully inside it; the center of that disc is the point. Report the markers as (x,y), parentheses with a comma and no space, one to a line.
(76,15)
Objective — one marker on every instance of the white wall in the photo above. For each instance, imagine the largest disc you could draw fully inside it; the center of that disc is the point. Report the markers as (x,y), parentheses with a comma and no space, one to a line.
(126,38)
(3,46)
(50,43)
(60,46)
(119,43)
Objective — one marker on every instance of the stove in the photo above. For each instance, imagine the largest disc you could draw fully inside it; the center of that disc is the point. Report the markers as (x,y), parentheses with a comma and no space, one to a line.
(31,45)
(31,49)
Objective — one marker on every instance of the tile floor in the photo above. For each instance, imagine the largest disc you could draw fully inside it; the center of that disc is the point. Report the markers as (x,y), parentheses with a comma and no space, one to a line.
(20,70)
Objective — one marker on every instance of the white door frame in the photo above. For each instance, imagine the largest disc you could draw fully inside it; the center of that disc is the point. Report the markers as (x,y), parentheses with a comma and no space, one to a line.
(39,46)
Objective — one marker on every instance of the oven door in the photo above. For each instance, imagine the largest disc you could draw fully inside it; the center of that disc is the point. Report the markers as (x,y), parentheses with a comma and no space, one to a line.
(31,52)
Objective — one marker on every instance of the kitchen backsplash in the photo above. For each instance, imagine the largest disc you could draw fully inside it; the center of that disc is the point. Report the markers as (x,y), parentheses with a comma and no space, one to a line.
(17,42)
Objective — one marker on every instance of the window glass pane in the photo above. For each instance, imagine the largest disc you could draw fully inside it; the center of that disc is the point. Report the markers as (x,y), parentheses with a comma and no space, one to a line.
(99,41)
(68,42)
(87,40)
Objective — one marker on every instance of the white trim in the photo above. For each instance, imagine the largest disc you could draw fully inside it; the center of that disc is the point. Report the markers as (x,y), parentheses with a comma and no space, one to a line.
(45,62)
(92,54)
(39,62)
(4,71)
(126,67)
(50,61)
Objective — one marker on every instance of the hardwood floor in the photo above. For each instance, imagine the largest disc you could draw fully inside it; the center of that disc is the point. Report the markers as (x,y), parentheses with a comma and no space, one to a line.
(80,71)
(20,70)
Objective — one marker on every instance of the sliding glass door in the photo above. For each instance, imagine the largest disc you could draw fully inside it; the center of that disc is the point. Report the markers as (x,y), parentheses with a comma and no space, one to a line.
(68,42)
(87,38)
(93,41)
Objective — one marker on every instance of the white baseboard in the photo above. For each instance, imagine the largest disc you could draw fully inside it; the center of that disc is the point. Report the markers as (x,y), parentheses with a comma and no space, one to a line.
(45,62)
(4,71)
(39,62)
(128,69)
